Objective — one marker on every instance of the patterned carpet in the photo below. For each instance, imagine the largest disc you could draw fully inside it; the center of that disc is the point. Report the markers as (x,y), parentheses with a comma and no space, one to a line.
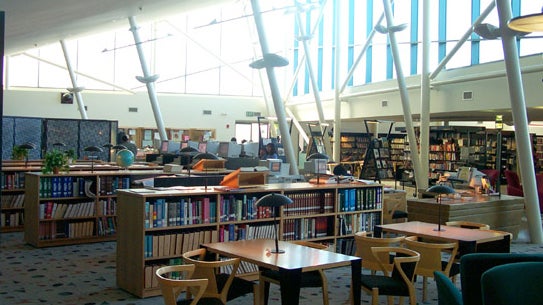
(85,274)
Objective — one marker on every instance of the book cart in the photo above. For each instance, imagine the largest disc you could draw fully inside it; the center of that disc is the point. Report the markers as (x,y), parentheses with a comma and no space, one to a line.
(155,227)
(75,207)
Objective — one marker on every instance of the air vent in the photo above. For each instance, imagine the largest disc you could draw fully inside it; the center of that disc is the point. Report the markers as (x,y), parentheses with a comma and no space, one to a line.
(132,109)
(207,112)
(252,114)
(467,95)
(384,103)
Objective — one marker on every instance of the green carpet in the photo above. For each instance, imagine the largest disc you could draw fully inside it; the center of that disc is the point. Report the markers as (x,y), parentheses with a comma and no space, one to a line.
(85,274)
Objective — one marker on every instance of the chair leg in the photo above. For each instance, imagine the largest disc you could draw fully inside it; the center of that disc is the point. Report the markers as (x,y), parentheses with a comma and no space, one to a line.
(375,296)
(424,289)
(263,292)
(325,296)
(390,300)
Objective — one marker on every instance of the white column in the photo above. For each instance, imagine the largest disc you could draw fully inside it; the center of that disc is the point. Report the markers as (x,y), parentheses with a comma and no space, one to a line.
(75,89)
(425,95)
(148,80)
(520,118)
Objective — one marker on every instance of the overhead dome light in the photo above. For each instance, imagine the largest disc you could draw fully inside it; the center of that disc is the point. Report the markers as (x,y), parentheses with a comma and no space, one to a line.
(527,23)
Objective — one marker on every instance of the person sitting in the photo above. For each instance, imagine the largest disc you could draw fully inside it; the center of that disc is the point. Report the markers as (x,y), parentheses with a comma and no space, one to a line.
(125,141)
(269,153)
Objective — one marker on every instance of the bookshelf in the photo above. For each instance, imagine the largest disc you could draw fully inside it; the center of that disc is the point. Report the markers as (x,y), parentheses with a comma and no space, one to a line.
(377,163)
(13,194)
(328,213)
(74,208)
(353,146)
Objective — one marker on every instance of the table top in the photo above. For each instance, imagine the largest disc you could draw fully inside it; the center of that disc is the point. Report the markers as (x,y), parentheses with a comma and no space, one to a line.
(257,251)
(468,200)
(424,229)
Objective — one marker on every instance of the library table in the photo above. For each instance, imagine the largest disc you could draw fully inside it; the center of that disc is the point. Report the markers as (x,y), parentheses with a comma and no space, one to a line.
(469,240)
(291,264)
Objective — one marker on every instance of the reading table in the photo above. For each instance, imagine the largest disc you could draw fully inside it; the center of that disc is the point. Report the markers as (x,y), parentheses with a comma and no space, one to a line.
(291,264)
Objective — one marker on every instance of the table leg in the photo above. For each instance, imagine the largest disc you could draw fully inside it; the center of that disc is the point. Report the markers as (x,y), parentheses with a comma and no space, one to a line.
(290,286)
(356,271)
(377,231)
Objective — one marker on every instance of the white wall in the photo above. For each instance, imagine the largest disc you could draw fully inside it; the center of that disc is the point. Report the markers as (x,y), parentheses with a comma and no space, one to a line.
(178,111)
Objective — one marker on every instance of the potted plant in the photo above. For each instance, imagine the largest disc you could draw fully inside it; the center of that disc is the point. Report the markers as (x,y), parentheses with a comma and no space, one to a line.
(19,153)
(71,156)
(55,161)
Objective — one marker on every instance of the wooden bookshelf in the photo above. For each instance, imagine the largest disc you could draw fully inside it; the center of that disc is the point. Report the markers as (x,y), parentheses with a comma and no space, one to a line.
(74,208)
(326,213)
(13,194)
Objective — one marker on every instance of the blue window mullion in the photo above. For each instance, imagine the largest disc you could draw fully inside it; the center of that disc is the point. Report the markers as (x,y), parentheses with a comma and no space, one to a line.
(475,43)
(414,36)
(442,30)
(369,51)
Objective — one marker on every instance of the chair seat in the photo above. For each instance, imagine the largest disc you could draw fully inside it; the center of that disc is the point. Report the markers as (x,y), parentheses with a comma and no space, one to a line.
(399,214)
(239,287)
(387,285)
(309,279)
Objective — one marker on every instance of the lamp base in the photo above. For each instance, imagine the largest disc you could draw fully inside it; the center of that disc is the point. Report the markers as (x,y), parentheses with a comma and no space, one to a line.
(278,251)
(439,229)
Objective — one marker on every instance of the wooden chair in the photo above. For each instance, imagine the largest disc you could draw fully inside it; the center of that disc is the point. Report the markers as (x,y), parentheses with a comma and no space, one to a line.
(468,225)
(222,285)
(365,243)
(398,282)
(315,278)
(174,280)
(433,257)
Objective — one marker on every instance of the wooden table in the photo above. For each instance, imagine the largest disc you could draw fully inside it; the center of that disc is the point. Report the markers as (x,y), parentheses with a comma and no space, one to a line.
(469,240)
(499,212)
(291,264)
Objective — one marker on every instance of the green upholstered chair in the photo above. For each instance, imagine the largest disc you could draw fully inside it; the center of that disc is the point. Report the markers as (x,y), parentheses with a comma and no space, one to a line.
(447,293)
(473,265)
(513,284)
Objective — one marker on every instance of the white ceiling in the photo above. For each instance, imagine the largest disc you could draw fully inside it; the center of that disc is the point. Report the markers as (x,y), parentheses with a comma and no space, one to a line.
(31,23)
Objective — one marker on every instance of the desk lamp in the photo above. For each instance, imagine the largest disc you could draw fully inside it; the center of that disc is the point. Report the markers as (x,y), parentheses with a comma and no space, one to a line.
(317,157)
(93,149)
(274,201)
(440,189)
(27,146)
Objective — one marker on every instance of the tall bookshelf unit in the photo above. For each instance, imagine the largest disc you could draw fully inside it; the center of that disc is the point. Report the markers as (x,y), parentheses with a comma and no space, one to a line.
(74,208)
(353,146)
(328,213)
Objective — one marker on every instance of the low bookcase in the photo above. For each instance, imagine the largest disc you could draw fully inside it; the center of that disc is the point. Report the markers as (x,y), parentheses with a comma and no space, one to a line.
(13,194)
(75,207)
(155,227)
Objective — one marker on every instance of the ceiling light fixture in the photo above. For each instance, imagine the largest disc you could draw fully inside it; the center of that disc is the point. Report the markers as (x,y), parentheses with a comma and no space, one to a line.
(527,23)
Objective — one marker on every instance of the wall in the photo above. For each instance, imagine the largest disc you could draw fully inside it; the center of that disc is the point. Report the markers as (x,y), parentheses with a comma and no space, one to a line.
(178,111)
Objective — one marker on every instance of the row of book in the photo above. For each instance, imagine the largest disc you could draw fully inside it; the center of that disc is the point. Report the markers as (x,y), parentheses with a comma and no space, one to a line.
(63,186)
(175,244)
(107,226)
(235,208)
(304,228)
(12,181)
(201,210)
(346,246)
(105,207)
(55,230)
(185,211)
(54,210)
(309,203)
(360,199)
(351,223)
(232,232)
(11,219)
(149,278)
(110,184)
(13,200)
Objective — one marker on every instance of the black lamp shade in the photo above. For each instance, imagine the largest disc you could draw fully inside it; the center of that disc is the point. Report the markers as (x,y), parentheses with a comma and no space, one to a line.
(441,189)
(28,145)
(59,144)
(273,200)
(107,145)
(188,149)
(93,148)
(339,170)
(201,156)
(119,147)
(317,156)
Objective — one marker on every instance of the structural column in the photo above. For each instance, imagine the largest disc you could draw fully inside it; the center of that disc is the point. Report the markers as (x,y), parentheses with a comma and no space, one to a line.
(75,89)
(148,80)
(276,95)
(520,118)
